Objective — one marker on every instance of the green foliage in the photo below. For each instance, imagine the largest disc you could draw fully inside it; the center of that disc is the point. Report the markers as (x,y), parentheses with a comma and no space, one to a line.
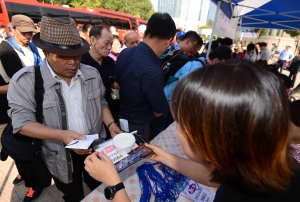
(260,32)
(293,33)
(57,2)
(296,35)
(140,8)
(86,3)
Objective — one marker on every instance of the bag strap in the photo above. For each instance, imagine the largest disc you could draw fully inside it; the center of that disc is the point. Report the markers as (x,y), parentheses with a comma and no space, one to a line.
(39,94)
(3,73)
(199,60)
(174,56)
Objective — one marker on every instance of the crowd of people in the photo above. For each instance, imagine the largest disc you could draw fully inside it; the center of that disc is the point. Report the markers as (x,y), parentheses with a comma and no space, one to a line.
(234,120)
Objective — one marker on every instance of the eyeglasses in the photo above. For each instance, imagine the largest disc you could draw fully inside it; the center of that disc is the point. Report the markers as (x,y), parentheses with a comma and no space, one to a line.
(116,45)
(194,46)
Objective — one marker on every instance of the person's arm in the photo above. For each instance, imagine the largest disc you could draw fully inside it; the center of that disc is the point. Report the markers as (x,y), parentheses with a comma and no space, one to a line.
(153,87)
(116,86)
(40,131)
(121,196)
(109,121)
(105,171)
(3,89)
(188,168)
(290,59)
(157,114)
(263,55)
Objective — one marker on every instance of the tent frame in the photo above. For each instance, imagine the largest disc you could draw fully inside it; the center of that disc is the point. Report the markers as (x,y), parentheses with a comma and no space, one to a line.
(252,17)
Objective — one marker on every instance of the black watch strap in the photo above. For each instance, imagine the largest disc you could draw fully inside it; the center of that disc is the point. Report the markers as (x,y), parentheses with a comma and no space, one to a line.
(119,186)
(110,191)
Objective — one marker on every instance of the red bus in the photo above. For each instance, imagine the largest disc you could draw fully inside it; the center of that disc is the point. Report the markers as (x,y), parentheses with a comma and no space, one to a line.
(141,22)
(35,10)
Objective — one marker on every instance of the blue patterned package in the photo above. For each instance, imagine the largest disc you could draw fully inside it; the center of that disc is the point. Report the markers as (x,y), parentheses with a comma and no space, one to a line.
(123,161)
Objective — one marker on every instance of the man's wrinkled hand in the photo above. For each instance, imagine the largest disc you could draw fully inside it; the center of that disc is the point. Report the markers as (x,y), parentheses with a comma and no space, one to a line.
(68,135)
(114,130)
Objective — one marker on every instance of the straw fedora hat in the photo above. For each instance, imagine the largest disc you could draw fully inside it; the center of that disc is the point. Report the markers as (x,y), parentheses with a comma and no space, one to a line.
(60,36)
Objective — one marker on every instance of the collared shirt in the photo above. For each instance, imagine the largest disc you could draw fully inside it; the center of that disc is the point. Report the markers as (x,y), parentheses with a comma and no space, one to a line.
(285,55)
(141,83)
(253,56)
(265,54)
(106,70)
(28,53)
(73,101)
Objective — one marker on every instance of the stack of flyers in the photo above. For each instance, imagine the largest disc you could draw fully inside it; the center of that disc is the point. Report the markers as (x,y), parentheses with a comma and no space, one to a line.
(123,161)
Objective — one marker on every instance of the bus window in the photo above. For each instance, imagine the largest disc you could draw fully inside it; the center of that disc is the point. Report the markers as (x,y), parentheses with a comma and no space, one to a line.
(80,18)
(1,11)
(55,12)
(133,23)
(34,12)
(97,20)
(120,24)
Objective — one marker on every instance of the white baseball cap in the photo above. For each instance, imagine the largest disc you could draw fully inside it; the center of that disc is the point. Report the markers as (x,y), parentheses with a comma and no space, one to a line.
(290,45)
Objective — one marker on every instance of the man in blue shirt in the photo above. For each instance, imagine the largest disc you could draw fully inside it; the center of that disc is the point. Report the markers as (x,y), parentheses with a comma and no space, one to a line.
(284,57)
(139,77)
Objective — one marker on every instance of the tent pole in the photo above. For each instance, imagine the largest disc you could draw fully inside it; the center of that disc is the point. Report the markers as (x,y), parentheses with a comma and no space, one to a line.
(236,30)
(213,29)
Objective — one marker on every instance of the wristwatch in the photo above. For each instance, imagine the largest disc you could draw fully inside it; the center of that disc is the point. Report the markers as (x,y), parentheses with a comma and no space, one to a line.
(110,191)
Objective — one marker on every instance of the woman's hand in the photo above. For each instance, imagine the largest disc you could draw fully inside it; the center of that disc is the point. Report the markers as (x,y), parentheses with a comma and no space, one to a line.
(102,170)
(159,155)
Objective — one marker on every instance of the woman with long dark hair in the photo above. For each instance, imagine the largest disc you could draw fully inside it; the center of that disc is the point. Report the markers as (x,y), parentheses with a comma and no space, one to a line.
(233,123)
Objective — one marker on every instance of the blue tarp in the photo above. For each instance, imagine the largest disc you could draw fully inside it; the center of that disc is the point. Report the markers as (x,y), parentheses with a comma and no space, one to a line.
(281,15)
(226,7)
(276,14)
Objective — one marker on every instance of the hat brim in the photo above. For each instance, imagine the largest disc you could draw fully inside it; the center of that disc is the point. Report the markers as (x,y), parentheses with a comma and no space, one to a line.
(63,52)
(26,29)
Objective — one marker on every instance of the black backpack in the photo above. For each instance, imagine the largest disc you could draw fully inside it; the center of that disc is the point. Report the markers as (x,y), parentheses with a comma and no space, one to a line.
(171,65)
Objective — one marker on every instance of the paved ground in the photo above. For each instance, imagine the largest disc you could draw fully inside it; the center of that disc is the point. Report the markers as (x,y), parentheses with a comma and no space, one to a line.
(11,193)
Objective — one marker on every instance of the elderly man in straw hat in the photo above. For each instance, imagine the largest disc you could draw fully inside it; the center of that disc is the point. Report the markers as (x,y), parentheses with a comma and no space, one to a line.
(73,106)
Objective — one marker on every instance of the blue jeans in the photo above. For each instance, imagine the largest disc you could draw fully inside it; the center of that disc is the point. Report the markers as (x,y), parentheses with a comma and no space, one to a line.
(281,64)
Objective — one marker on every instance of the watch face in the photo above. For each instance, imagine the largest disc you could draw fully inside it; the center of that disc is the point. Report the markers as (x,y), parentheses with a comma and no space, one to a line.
(109,193)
